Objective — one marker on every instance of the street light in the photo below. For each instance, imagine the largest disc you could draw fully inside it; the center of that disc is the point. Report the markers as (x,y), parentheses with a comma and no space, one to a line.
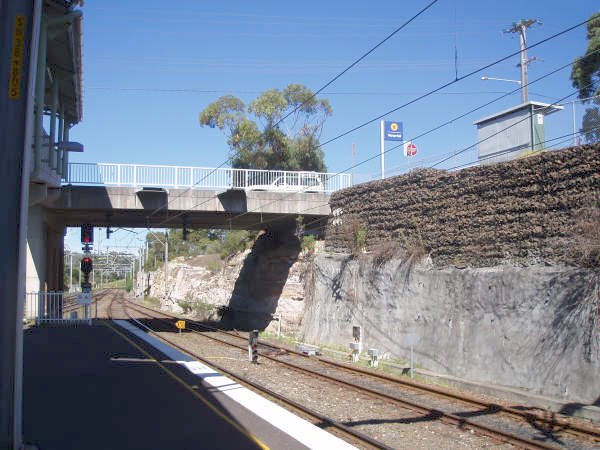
(501,79)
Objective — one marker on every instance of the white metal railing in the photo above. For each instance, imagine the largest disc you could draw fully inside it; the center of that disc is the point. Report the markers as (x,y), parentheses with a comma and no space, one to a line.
(57,308)
(138,175)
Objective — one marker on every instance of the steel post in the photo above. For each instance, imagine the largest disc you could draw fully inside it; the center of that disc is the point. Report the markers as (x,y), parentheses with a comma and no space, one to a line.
(19,25)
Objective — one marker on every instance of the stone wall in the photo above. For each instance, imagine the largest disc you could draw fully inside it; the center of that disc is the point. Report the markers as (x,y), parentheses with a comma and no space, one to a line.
(521,210)
(485,265)
(535,327)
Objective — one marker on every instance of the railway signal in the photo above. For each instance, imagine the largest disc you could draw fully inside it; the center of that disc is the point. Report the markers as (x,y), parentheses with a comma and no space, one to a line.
(86,265)
(87,233)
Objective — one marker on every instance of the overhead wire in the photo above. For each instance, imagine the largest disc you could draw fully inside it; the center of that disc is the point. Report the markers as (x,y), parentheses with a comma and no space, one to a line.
(431,92)
(460,151)
(321,89)
(562,139)
(359,59)
(453,154)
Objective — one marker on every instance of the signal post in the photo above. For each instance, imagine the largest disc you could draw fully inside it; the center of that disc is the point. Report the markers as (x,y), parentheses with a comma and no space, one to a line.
(86,267)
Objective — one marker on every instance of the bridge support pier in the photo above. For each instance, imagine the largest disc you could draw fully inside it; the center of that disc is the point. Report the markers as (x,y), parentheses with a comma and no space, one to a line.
(45,252)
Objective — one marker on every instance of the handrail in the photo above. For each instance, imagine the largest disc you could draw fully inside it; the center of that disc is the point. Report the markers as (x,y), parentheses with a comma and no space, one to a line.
(144,175)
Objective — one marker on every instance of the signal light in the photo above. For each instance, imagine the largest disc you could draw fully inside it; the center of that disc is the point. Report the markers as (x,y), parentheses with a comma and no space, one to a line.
(87,233)
(86,265)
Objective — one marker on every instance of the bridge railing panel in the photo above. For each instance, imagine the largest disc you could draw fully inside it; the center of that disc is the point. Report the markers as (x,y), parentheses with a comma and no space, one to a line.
(137,175)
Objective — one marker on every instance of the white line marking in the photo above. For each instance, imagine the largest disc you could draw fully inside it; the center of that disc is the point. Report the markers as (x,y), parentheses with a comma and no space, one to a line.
(294,426)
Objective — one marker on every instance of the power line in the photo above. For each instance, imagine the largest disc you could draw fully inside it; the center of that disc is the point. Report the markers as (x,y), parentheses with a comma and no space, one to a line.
(451,154)
(454,153)
(450,83)
(367,53)
(321,89)
(431,92)
(377,155)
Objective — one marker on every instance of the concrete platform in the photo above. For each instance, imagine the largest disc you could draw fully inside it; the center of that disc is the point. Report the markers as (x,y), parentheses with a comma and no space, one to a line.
(95,387)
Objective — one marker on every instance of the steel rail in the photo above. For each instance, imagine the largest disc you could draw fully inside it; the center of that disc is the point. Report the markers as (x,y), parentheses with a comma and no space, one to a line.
(443,416)
(327,420)
(573,428)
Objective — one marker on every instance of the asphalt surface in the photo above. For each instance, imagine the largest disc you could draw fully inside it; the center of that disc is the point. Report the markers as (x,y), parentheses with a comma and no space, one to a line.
(85,387)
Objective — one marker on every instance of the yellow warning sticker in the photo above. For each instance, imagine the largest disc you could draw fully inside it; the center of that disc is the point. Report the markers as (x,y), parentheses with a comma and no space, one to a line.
(16,61)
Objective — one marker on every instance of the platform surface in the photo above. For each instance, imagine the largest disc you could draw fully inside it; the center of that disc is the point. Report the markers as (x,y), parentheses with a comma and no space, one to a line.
(86,387)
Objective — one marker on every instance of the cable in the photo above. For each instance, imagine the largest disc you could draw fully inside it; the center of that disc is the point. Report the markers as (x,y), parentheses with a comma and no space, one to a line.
(452,154)
(565,138)
(438,127)
(314,95)
(413,101)
(335,78)
(450,83)
(461,151)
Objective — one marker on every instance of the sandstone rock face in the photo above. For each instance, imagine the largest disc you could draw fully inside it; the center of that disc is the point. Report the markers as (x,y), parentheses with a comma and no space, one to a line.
(259,289)
(534,327)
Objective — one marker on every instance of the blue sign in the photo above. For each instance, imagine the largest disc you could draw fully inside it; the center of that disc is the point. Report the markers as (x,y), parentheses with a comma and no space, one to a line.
(393,131)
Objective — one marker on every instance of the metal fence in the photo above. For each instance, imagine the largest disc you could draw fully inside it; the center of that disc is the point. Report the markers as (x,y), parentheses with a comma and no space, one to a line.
(137,175)
(56,308)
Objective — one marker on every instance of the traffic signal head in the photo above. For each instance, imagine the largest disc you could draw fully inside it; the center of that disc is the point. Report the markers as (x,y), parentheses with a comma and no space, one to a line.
(87,233)
(86,265)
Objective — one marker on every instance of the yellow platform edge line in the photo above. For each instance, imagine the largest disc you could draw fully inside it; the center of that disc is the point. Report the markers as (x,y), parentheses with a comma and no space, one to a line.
(233,423)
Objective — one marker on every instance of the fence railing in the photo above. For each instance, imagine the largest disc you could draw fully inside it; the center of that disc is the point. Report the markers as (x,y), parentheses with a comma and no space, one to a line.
(57,308)
(137,175)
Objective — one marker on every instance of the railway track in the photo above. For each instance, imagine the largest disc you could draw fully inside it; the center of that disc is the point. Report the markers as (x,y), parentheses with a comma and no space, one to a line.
(493,420)
(352,436)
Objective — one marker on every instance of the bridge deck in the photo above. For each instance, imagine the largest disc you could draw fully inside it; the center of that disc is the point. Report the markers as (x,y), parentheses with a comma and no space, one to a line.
(235,209)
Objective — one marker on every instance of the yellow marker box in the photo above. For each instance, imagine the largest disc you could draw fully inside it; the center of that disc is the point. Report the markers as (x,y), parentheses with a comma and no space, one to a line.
(16,59)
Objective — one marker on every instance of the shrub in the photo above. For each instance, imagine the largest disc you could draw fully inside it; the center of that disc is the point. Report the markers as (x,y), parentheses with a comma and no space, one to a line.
(354,235)
(308,243)
(587,236)
(214,266)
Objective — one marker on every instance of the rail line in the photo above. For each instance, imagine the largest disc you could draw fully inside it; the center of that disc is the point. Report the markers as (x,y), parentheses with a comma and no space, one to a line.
(541,423)
(343,429)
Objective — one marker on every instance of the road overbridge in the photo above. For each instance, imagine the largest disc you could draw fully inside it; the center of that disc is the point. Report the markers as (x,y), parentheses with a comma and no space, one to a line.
(153,207)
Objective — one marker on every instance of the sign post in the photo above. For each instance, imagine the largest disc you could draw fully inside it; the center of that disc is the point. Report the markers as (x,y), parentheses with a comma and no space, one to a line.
(390,131)
(382,143)
(411,339)
(180,324)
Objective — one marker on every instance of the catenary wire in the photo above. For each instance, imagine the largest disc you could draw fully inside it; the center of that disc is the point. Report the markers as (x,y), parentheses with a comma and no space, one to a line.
(355,62)
(438,127)
(431,92)
(452,154)
(321,89)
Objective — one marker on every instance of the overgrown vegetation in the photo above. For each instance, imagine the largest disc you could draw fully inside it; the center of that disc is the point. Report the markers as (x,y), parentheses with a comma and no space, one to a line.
(587,236)
(308,243)
(585,76)
(354,235)
(196,307)
(152,301)
(197,242)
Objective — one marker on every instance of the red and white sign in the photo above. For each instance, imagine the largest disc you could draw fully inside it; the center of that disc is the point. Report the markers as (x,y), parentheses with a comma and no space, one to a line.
(410,149)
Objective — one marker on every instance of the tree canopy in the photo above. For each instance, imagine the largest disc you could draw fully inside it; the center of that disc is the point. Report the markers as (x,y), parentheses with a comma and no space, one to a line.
(585,76)
(258,138)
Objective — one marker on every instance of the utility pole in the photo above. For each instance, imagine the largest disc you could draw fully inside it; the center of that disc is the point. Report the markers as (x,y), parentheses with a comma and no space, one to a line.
(521,28)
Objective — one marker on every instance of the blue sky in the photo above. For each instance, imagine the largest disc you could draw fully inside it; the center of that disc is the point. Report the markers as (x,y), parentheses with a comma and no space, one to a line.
(150,68)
